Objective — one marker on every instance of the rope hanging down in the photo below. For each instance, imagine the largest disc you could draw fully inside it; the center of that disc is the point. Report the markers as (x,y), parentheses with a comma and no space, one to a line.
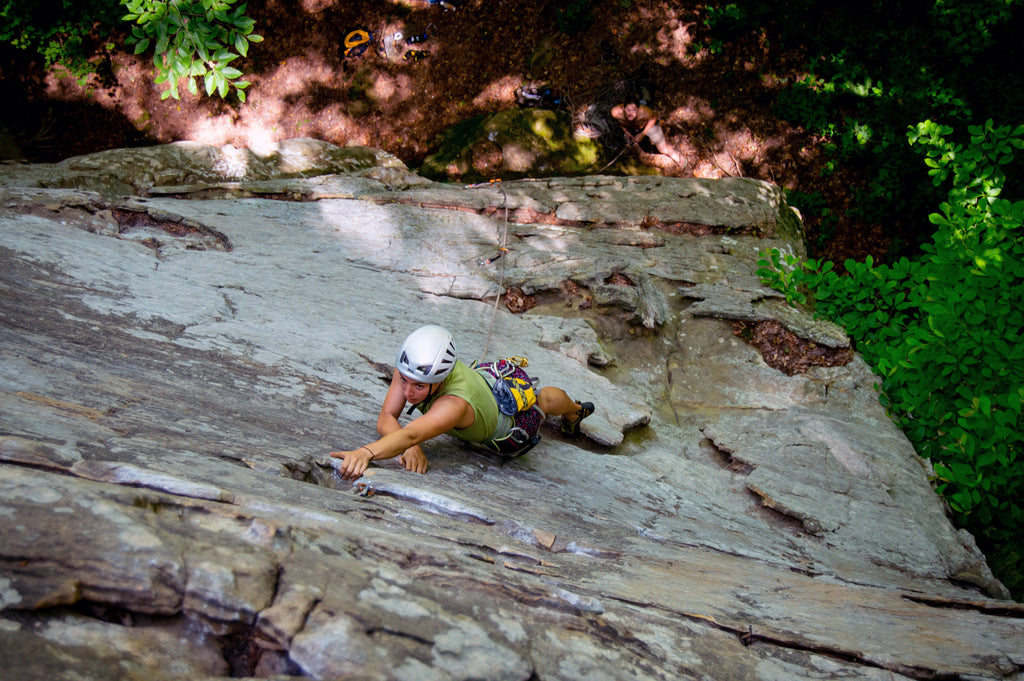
(502,250)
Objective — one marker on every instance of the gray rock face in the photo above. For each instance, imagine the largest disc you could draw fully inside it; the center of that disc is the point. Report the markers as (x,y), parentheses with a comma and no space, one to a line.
(180,350)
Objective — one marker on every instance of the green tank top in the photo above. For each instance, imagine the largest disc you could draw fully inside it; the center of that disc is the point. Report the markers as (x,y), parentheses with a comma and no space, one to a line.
(469,385)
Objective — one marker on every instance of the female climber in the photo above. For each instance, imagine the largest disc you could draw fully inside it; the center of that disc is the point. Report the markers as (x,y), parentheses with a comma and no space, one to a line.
(456,399)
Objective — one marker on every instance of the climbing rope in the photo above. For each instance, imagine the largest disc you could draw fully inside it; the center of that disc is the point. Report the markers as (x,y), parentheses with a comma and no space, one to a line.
(617,157)
(502,250)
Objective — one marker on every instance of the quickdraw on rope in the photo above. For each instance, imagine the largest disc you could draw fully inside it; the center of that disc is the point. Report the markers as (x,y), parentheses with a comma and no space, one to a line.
(488,261)
(502,250)
(489,183)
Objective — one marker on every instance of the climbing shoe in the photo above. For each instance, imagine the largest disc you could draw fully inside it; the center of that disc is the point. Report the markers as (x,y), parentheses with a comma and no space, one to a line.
(571,426)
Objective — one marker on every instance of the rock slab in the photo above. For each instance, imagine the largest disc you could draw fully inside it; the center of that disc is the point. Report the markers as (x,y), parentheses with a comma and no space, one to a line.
(184,337)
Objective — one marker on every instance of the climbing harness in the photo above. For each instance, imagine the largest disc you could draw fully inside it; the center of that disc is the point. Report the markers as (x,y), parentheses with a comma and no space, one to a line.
(415,55)
(516,397)
(513,388)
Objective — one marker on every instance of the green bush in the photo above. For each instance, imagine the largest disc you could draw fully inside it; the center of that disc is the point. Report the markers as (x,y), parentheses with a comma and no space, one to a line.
(945,333)
(57,30)
(193,39)
(876,66)
(968,347)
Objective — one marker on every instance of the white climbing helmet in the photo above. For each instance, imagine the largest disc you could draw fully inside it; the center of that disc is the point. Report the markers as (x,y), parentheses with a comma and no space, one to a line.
(427,355)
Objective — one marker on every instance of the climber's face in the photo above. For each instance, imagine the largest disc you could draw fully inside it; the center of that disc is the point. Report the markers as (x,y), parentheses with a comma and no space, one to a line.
(630,111)
(414,391)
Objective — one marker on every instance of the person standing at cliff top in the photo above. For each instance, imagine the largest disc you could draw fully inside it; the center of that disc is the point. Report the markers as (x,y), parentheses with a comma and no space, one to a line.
(639,121)
(459,400)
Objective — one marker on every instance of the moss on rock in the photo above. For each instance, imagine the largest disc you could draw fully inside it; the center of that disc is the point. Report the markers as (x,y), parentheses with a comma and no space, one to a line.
(513,144)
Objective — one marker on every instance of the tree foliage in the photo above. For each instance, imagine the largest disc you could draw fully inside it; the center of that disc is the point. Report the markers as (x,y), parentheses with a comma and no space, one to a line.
(945,333)
(876,66)
(58,30)
(195,40)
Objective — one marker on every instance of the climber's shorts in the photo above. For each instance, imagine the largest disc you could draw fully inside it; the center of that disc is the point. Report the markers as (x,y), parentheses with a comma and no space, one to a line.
(656,135)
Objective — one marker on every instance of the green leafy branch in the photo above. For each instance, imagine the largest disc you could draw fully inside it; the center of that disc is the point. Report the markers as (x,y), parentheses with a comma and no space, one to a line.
(193,39)
(785,273)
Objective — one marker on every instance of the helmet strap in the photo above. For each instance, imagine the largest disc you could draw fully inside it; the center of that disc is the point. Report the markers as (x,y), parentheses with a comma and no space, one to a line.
(430,393)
